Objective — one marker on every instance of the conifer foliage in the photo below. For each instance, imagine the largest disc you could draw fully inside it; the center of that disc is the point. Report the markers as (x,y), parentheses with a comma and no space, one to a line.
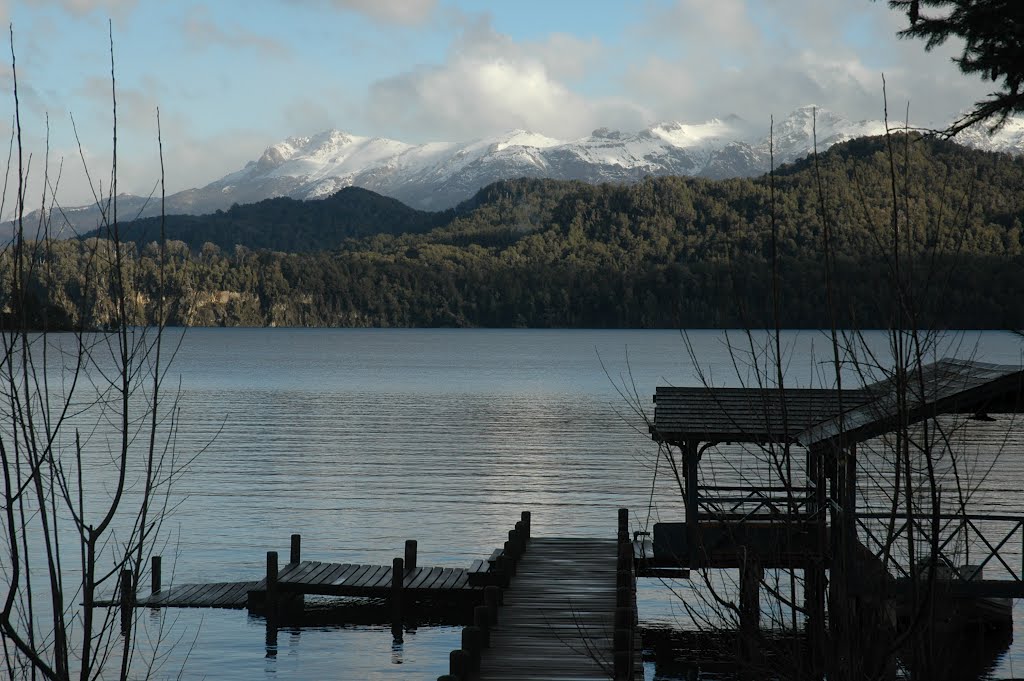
(993,35)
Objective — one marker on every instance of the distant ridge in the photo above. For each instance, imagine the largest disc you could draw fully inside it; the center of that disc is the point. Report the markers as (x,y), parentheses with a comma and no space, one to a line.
(439,175)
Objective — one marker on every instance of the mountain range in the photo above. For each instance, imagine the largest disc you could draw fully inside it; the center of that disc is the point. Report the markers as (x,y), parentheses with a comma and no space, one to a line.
(438,175)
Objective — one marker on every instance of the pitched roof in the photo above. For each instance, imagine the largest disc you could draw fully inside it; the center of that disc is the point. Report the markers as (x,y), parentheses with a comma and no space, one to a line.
(744,414)
(820,417)
(949,386)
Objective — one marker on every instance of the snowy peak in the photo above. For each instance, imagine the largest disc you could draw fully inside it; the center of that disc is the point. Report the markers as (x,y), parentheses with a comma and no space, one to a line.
(796,135)
(685,136)
(438,175)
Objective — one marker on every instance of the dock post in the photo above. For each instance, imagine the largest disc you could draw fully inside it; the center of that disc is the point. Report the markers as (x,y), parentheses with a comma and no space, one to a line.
(526,523)
(751,575)
(623,525)
(410,554)
(492,595)
(155,574)
(271,583)
(397,576)
(623,642)
(471,647)
(295,555)
(127,601)
(482,621)
(691,457)
(457,666)
(508,561)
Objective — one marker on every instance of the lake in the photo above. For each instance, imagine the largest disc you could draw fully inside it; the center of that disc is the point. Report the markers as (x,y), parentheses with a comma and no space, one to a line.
(361,439)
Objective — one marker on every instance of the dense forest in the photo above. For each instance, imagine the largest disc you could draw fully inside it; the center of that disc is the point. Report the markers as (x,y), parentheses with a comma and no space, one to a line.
(666,252)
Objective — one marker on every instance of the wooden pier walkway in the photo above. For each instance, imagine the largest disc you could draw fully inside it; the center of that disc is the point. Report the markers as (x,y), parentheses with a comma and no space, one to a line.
(315,578)
(558,615)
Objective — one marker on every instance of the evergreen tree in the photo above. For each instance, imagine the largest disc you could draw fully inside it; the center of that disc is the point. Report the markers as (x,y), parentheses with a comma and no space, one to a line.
(993,35)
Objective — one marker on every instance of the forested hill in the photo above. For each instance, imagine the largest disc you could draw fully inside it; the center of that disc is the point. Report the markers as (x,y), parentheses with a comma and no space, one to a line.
(666,252)
(285,224)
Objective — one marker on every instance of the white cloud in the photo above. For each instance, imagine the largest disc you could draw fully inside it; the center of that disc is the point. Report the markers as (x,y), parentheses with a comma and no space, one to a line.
(201,32)
(758,57)
(406,12)
(83,7)
(489,84)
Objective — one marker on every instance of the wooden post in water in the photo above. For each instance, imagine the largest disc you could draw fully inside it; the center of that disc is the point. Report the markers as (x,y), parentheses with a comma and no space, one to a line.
(492,595)
(457,666)
(397,576)
(508,562)
(482,621)
(525,517)
(623,642)
(410,554)
(295,555)
(471,647)
(751,575)
(623,525)
(154,575)
(690,455)
(127,601)
(271,604)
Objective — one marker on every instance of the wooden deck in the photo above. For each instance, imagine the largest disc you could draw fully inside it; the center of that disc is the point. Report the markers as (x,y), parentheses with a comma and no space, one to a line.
(315,578)
(558,614)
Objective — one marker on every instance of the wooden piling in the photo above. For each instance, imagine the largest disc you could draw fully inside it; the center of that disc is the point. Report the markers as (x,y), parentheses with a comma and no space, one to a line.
(508,562)
(295,555)
(623,525)
(482,621)
(457,664)
(155,574)
(622,653)
(624,597)
(397,577)
(271,604)
(525,517)
(751,575)
(471,647)
(127,601)
(492,596)
(410,554)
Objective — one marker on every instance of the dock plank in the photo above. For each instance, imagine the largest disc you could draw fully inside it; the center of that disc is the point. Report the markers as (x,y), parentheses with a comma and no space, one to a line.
(426,577)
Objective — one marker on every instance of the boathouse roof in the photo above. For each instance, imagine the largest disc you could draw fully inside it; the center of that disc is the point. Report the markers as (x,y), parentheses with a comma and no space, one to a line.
(949,386)
(817,418)
(753,415)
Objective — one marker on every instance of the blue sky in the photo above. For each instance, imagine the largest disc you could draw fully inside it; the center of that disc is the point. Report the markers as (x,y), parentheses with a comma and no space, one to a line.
(232,77)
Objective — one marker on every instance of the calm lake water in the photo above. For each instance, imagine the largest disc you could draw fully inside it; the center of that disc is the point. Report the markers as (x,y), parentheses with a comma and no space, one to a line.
(360,439)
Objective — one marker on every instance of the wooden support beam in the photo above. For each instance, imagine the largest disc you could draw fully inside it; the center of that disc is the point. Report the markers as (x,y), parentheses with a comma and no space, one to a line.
(155,574)
(397,577)
(127,602)
(690,457)
(751,575)
(411,548)
(295,555)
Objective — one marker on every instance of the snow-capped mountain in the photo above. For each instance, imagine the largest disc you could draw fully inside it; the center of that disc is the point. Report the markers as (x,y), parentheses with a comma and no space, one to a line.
(438,175)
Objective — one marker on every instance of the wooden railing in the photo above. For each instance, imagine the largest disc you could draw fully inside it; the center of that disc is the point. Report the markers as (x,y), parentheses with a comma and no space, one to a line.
(464,662)
(739,502)
(967,543)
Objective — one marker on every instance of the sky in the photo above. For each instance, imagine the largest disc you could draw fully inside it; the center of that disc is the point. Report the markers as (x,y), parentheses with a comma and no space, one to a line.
(232,77)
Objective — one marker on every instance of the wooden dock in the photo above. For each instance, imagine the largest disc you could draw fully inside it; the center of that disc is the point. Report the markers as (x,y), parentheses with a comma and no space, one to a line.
(310,577)
(558,616)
